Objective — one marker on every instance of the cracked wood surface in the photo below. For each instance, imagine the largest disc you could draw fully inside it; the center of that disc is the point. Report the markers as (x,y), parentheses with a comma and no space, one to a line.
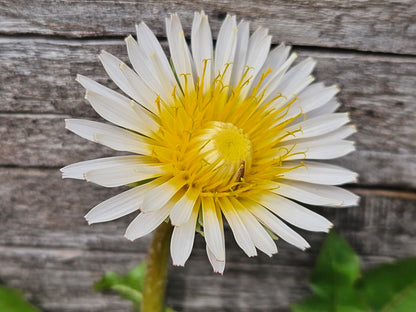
(382,26)
(49,251)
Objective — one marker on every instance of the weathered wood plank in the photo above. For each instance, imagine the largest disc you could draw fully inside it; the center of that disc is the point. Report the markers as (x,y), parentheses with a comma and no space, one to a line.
(50,252)
(38,78)
(383,26)
(27,195)
(61,280)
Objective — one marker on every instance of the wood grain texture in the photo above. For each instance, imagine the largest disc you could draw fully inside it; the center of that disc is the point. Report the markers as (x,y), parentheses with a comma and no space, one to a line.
(378,91)
(46,247)
(383,26)
(55,257)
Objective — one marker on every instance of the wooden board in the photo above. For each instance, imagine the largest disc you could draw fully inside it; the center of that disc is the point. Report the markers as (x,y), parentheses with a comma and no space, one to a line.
(46,247)
(385,123)
(55,256)
(382,26)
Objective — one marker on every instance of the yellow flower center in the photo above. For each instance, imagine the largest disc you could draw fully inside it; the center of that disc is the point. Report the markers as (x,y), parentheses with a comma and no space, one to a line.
(227,150)
(222,140)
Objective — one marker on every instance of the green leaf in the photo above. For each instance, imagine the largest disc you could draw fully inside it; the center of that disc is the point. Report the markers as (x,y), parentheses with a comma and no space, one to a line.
(128,286)
(337,266)
(316,304)
(333,278)
(13,301)
(390,287)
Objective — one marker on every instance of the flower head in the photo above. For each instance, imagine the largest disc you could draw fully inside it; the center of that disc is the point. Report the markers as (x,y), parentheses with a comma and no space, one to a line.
(213,134)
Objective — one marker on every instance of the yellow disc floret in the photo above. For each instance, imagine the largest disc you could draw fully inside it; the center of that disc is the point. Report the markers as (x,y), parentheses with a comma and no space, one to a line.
(219,140)
(224,147)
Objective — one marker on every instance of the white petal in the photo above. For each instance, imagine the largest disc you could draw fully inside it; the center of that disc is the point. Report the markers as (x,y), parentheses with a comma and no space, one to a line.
(216,264)
(241,235)
(258,50)
(333,137)
(240,57)
(182,210)
(93,86)
(159,63)
(320,173)
(121,115)
(213,228)
(318,149)
(128,81)
(295,76)
(112,106)
(316,194)
(341,133)
(202,49)
(148,98)
(274,60)
(276,225)
(327,146)
(291,92)
(179,52)
(316,126)
(294,213)
(122,174)
(258,234)
(312,90)
(148,41)
(111,136)
(183,238)
(77,170)
(143,66)
(147,121)
(313,97)
(225,48)
(328,108)
(270,86)
(159,196)
(119,205)
(146,222)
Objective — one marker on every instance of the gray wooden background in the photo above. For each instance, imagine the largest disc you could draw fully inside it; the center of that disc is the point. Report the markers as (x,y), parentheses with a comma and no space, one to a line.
(46,247)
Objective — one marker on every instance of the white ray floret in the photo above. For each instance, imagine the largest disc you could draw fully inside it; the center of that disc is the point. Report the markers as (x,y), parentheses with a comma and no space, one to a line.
(119,205)
(242,236)
(146,222)
(111,136)
(213,228)
(319,173)
(216,264)
(183,239)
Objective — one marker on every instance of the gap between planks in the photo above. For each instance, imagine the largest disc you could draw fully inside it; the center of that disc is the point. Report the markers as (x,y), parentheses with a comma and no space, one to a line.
(4,37)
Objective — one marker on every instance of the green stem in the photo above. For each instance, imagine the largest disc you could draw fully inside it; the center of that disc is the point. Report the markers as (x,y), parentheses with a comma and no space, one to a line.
(156,270)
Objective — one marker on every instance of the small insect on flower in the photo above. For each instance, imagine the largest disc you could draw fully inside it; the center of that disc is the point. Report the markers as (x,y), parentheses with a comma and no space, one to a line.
(240,172)
(228,132)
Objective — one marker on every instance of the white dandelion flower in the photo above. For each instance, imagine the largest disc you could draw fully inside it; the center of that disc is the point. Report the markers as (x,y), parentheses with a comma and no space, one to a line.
(231,131)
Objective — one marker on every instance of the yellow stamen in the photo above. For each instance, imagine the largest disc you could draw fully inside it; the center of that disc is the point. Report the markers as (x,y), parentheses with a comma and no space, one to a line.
(221,137)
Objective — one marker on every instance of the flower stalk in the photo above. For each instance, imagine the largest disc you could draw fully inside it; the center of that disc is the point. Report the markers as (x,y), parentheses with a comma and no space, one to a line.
(154,286)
